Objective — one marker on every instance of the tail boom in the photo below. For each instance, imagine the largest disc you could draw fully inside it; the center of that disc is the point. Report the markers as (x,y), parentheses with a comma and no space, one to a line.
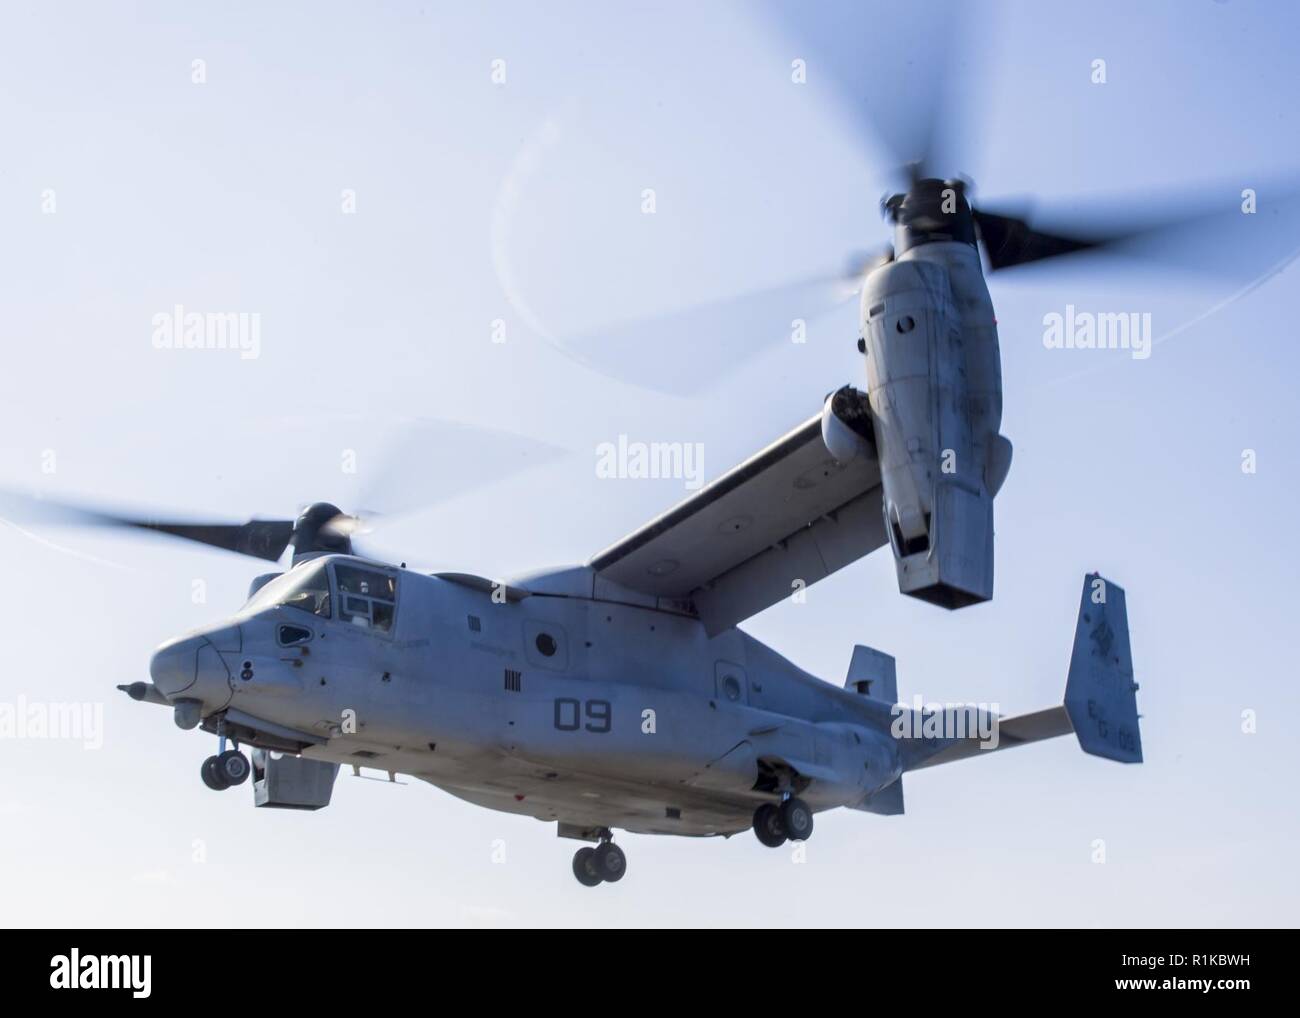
(1100,695)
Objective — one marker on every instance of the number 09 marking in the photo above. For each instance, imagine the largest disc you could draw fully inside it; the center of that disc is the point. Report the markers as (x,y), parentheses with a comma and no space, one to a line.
(569,712)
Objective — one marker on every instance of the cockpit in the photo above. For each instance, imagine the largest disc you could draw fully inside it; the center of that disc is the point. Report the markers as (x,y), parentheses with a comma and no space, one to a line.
(367,597)
(357,593)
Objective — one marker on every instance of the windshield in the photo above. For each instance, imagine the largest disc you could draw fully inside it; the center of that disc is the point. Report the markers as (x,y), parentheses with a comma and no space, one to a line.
(306,588)
(367,597)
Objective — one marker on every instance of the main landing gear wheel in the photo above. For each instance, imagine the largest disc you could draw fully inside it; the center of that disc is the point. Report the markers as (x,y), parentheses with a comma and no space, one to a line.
(610,862)
(768,825)
(797,819)
(605,863)
(584,867)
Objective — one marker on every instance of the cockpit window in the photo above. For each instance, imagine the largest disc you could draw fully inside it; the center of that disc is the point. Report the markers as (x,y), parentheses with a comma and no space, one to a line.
(367,597)
(306,588)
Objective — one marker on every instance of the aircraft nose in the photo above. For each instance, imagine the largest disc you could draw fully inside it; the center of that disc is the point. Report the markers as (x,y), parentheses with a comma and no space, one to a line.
(192,667)
(174,665)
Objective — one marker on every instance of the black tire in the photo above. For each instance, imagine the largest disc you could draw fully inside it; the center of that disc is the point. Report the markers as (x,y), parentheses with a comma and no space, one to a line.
(233,767)
(797,819)
(768,825)
(212,776)
(610,862)
(584,867)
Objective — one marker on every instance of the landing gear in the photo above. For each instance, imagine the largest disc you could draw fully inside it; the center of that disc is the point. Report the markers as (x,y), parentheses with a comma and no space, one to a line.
(234,767)
(211,776)
(605,863)
(225,770)
(584,867)
(797,819)
(774,825)
(610,862)
(229,767)
(768,826)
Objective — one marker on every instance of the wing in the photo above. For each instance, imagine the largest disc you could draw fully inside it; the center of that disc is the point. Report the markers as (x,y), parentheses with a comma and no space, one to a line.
(780,521)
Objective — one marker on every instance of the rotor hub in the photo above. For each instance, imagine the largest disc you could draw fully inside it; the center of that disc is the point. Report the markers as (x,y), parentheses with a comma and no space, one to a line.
(930,210)
(312,534)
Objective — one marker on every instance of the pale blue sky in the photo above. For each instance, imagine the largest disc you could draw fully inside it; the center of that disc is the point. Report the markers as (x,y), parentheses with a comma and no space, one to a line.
(523,202)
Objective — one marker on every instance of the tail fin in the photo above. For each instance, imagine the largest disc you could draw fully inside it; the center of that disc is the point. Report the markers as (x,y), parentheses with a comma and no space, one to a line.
(873,674)
(1100,694)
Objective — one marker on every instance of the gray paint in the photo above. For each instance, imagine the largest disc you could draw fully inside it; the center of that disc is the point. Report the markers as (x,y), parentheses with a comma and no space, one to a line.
(572,744)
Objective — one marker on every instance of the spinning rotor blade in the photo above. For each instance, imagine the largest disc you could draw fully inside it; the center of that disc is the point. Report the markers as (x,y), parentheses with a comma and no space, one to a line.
(264,539)
(893,66)
(1011,241)
(417,463)
(429,460)
(1205,230)
(685,352)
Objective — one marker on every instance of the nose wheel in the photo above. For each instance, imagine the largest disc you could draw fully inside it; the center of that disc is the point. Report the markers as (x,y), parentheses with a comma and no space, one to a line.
(604,864)
(225,770)
(228,767)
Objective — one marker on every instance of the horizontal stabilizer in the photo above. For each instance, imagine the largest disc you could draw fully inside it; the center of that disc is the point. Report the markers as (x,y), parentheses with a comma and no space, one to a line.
(1011,732)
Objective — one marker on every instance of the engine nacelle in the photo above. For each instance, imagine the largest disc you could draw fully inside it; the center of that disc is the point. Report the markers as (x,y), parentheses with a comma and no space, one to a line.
(934,383)
(847,429)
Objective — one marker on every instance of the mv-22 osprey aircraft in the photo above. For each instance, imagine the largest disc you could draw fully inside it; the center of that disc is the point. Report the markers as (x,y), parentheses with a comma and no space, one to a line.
(619,694)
